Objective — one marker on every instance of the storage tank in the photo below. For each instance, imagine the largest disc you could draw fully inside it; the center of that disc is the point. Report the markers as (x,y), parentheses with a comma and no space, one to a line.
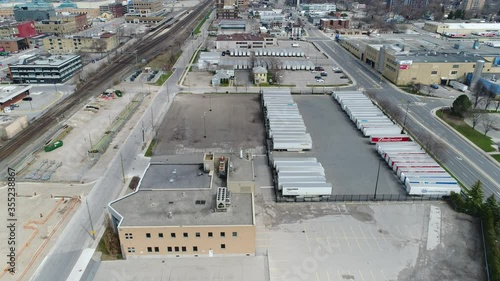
(478,70)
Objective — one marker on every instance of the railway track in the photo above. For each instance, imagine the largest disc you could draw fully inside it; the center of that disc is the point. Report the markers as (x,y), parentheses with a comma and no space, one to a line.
(146,49)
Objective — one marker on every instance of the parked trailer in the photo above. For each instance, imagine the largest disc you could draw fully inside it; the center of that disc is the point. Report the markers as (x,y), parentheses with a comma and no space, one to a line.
(273,133)
(307,189)
(391,160)
(292,145)
(388,138)
(379,120)
(368,132)
(424,175)
(404,171)
(398,166)
(365,116)
(278,160)
(458,86)
(289,122)
(345,105)
(299,175)
(375,125)
(448,180)
(294,170)
(418,154)
(389,148)
(432,189)
(298,164)
(338,95)
(282,181)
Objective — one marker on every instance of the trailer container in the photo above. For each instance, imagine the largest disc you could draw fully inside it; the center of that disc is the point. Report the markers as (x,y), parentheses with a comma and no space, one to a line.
(380,120)
(388,138)
(307,189)
(294,170)
(404,172)
(297,164)
(375,125)
(418,154)
(368,132)
(299,175)
(431,189)
(278,160)
(398,166)
(292,145)
(391,160)
(281,181)
(458,86)
(425,175)
(448,180)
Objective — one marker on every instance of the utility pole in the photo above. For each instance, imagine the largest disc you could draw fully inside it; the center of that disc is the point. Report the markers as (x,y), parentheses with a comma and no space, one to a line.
(142,128)
(210,99)
(204,125)
(92,232)
(376,181)
(123,169)
(406,114)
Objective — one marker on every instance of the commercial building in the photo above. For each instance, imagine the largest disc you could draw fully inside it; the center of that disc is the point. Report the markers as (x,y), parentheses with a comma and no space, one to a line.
(43,69)
(13,44)
(320,9)
(232,25)
(99,44)
(72,8)
(63,24)
(6,12)
(461,28)
(145,6)
(259,75)
(334,24)
(472,6)
(17,29)
(244,41)
(10,94)
(180,211)
(35,10)
(143,18)
(117,10)
(227,9)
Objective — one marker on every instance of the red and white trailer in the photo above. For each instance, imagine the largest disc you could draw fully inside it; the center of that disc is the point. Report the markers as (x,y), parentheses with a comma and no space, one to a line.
(389,138)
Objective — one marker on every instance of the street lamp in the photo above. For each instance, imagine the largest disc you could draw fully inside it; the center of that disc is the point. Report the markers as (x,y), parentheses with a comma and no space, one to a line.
(210,99)
(406,114)
(92,232)
(376,181)
(204,125)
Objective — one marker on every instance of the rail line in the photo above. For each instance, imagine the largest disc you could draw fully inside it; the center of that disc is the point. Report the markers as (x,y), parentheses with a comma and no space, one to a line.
(145,49)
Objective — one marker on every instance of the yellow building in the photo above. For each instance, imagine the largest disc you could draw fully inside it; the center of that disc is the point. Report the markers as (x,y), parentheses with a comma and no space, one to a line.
(56,45)
(259,75)
(6,12)
(91,13)
(179,211)
(56,27)
(461,28)
(145,6)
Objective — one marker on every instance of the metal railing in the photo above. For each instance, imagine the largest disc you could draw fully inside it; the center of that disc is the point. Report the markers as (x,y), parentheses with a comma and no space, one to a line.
(361,198)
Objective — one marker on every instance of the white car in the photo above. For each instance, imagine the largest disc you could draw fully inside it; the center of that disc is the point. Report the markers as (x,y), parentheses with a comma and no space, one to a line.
(320,80)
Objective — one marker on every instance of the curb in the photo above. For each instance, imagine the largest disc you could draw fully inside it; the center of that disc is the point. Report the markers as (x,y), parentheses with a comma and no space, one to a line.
(493,160)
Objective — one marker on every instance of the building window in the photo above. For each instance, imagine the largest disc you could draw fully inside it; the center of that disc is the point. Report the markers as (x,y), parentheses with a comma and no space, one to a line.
(456,66)
(453,72)
(197,234)
(169,249)
(150,249)
(160,235)
(195,248)
(176,248)
(172,235)
(131,249)
(222,246)
(129,236)
(222,234)
(210,234)
(434,72)
(185,234)
(183,248)
(157,249)
(148,235)
(235,234)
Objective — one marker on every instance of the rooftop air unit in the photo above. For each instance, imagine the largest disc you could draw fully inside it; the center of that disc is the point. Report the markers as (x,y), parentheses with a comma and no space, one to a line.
(223,200)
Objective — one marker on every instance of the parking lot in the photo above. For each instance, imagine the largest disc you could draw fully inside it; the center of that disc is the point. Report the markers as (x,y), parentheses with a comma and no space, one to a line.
(337,242)
(350,161)
(216,123)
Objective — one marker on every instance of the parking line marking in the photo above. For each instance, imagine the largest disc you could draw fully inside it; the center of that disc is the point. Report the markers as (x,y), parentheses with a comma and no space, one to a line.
(390,232)
(336,238)
(385,239)
(362,277)
(307,239)
(328,275)
(373,276)
(367,243)
(327,241)
(385,278)
(400,231)
(347,240)
(354,235)
(374,238)
(407,229)
(317,276)
(418,230)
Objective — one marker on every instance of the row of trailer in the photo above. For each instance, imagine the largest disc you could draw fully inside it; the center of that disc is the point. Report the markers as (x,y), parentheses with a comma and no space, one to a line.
(368,118)
(263,52)
(245,63)
(419,173)
(301,176)
(284,124)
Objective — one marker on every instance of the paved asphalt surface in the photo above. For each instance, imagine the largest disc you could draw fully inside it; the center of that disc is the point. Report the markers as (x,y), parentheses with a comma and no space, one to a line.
(467,163)
(60,261)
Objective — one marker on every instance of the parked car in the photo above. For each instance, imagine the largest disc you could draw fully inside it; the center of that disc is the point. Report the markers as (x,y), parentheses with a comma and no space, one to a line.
(320,80)
(319,68)
(434,86)
(324,74)
(343,77)
(317,77)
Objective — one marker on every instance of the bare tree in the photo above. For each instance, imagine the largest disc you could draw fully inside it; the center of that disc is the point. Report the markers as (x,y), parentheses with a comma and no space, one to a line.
(478,94)
(253,59)
(489,97)
(497,105)
(489,122)
(475,117)
(275,69)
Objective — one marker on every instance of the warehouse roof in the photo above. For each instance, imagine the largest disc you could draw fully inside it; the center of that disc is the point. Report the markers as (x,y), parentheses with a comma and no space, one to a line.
(168,176)
(8,92)
(443,58)
(240,37)
(470,26)
(45,60)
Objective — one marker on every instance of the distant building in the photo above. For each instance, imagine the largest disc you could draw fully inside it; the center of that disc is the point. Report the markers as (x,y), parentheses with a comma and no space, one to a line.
(17,29)
(91,13)
(259,75)
(6,12)
(180,211)
(461,28)
(145,6)
(34,11)
(323,7)
(62,24)
(13,44)
(101,44)
(43,69)
(473,6)
(227,9)
(244,41)
(334,24)
(10,94)
(116,10)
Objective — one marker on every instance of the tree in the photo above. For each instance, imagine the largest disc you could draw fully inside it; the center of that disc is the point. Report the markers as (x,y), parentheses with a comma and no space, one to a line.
(451,15)
(489,122)
(488,99)
(344,15)
(475,117)
(492,204)
(253,59)
(478,93)
(475,195)
(461,105)
(99,45)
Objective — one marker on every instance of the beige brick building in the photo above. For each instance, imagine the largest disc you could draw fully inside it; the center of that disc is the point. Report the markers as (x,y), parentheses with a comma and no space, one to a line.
(62,24)
(177,210)
(6,12)
(104,43)
(145,6)
(91,13)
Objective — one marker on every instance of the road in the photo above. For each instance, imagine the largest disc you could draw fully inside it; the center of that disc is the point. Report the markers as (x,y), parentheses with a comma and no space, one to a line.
(75,237)
(464,161)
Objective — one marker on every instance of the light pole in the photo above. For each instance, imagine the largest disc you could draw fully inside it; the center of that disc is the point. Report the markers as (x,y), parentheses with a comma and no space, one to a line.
(210,99)
(92,232)
(376,181)
(406,114)
(204,125)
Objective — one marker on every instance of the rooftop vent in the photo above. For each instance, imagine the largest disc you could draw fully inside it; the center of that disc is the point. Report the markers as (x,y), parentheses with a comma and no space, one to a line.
(223,200)
(169,215)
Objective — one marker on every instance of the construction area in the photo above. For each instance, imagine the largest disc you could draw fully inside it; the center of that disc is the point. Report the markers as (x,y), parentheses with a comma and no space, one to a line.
(211,123)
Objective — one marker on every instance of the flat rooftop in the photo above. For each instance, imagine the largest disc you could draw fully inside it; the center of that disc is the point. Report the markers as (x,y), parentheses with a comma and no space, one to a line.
(8,92)
(241,169)
(152,208)
(179,176)
(44,60)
